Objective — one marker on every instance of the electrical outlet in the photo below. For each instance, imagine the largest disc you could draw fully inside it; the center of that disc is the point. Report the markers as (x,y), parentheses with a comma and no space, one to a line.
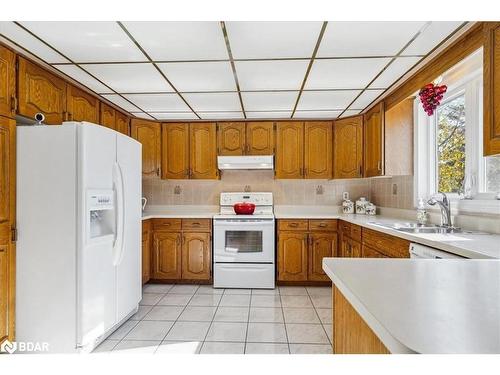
(247,189)
(319,189)
(345,195)
(394,189)
(177,189)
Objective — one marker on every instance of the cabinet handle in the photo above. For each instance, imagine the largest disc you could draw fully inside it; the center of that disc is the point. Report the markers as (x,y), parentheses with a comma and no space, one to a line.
(13,103)
(301,172)
(196,224)
(305,172)
(158,171)
(379,165)
(360,171)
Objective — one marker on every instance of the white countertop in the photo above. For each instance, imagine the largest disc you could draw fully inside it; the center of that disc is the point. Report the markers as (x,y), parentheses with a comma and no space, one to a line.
(180,211)
(424,305)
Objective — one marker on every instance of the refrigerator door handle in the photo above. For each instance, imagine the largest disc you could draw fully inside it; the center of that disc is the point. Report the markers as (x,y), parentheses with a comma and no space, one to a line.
(119,215)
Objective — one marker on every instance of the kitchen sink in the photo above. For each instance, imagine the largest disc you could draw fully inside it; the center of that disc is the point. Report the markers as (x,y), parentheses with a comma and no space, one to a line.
(425,229)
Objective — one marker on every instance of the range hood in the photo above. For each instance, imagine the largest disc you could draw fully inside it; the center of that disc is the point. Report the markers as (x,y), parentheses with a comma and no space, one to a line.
(245,162)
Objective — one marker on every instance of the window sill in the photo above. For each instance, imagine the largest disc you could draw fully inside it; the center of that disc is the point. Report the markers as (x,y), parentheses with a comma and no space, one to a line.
(479,205)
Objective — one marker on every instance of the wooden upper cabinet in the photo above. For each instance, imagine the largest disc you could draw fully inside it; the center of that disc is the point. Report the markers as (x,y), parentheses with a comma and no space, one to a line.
(292,256)
(348,147)
(108,116)
(122,123)
(167,250)
(81,106)
(203,150)
(398,139)
(7,82)
(322,245)
(231,138)
(318,149)
(175,151)
(148,133)
(196,259)
(40,91)
(289,150)
(374,141)
(260,138)
(491,101)
(7,223)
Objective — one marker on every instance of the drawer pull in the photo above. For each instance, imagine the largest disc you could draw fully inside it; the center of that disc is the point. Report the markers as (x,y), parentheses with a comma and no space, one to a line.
(196,224)
(323,225)
(293,225)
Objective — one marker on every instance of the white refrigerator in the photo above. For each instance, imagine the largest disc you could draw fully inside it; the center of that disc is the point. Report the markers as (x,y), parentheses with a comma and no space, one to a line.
(79,234)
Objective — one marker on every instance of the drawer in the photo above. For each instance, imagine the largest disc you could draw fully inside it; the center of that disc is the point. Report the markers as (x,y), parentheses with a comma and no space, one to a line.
(293,225)
(388,245)
(356,232)
(327,225)
(204,225)
(167,224)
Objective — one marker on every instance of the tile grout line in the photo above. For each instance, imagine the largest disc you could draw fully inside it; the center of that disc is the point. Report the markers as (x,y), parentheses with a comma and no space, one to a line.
(284,322)
(248,322)
(319,318)
(212,321)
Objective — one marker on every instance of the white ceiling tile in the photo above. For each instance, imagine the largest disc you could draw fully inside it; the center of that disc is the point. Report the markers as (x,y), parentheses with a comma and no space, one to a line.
(272,39)
(431,37)
(174,115)
(225,101)
(30,43)
(397,68)
(271,75)
(130,78)
(142,115)
(350,112)
(88,41)
(120,102)
(366,38)
(200,76)
(220,115)
(169,41)
(269,101)
(84,78)
(365,99)
(317,114)
(158,102)
(326,100)
(270,114)
(344,73)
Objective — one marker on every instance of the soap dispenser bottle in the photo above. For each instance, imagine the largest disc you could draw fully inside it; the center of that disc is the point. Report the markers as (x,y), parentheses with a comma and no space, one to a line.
(421,212)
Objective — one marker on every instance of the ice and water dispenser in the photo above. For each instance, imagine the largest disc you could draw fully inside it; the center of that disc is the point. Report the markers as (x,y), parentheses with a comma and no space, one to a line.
(101,215)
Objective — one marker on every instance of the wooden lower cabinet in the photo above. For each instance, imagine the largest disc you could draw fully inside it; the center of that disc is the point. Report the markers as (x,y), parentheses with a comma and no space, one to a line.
(321,245)
(369,252)
(196,257)
(292,256)
(385,244)
(167,255)
(351,334)
(182,250)
(146,251)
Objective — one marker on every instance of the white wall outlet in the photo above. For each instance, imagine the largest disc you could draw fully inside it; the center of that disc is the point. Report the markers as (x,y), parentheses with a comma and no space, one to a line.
(177,189)
(394,189)
(345,195)
(319,189)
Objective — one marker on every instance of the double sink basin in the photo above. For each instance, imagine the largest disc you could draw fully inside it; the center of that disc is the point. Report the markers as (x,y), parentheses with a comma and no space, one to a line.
(424,229)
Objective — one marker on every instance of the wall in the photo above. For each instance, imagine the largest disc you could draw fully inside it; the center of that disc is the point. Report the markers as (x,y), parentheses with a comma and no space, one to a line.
(382,192)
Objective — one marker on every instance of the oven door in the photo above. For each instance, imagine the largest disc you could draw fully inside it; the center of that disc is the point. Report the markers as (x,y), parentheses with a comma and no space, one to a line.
(244,241)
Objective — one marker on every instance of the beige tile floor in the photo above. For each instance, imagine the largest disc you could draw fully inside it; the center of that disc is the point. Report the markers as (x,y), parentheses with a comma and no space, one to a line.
(194,319)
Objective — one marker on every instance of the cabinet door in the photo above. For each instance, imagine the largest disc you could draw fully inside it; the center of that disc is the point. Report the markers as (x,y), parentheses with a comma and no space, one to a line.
(321,245)
(148,133)
(398,139)
(108,116)
(7,82)
(122,123)
(292,256)
(491,74)
(146,251)
(345,247)
(231,138)
(260,138)
(369,252)
(196,258)
(40,91)
(318,149)
(374,141)
(175,151)
(82,106)
(203,151)
(355,249)
(289,150)
(7,222)
(348,147)
(167,255)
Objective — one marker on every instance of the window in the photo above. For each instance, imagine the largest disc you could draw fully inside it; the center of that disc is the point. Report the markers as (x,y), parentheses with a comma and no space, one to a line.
(449,145)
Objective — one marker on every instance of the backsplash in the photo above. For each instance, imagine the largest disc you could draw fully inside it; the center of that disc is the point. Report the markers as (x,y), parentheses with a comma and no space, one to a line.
(286,192)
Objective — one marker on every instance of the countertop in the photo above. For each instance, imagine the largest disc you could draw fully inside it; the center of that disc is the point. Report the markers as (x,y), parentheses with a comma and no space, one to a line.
(424,305)
(180,212)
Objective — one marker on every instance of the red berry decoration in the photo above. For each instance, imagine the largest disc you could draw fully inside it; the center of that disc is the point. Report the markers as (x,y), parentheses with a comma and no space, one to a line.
(431,96)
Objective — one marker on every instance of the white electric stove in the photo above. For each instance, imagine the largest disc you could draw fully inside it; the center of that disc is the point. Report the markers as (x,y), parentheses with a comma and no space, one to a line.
(244,251)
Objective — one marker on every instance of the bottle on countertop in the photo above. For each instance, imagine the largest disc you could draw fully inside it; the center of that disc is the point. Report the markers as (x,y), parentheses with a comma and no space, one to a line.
(347,204)
(421,212)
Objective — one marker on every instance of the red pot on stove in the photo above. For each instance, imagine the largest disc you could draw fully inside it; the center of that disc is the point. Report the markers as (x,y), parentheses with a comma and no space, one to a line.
(244,208)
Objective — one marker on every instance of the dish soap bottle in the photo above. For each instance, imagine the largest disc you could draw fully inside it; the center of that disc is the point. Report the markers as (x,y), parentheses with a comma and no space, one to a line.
(421,212)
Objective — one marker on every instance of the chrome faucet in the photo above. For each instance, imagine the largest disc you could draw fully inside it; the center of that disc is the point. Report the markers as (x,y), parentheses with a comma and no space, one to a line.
(444,205)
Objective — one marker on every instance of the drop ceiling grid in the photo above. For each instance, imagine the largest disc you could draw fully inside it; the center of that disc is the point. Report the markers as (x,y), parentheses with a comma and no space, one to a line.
(374,88)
